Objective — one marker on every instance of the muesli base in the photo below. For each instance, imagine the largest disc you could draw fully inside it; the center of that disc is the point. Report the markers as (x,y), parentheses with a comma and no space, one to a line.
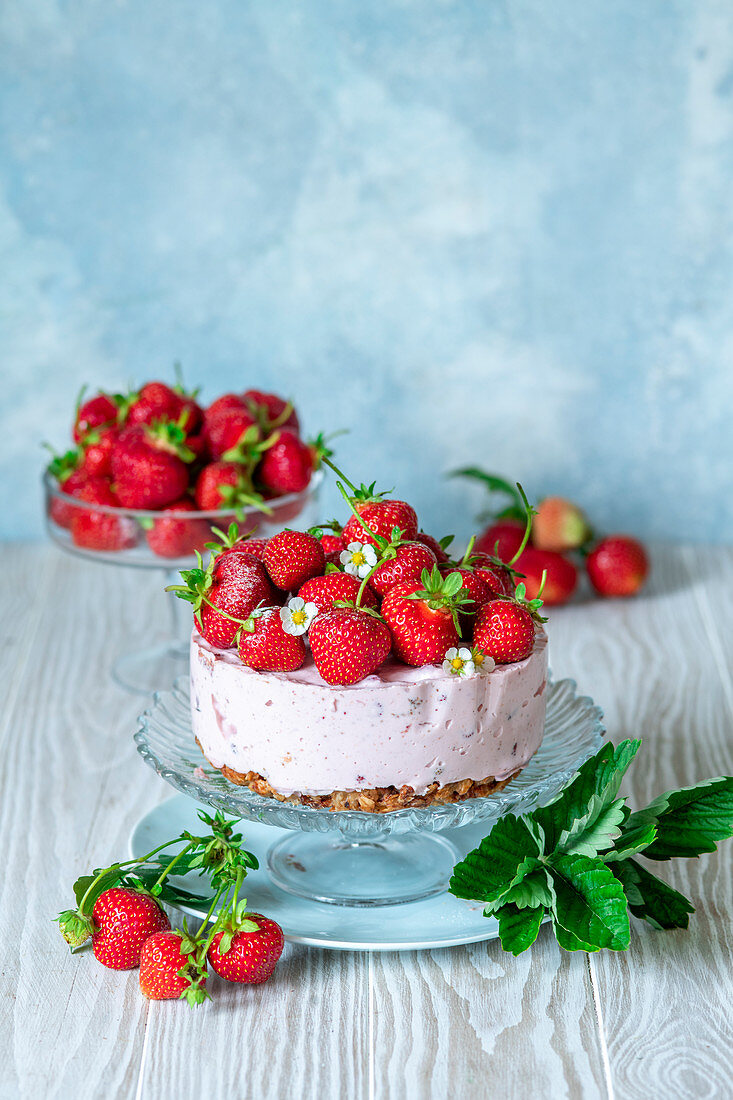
(379,800)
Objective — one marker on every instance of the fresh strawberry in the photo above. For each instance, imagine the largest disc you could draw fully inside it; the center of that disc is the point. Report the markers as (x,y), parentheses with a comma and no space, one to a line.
(503,539)
(230,428)
(561,579)
(292,558)
(422,616)
(97,446)
(271,411)
(169,969)
(226,401)
(438,548)
(617,566)
(247,949)
(406,562)
(94,413)
(348,644)
(156,401)
(559,525)
(504,630)
(324,591)
(123,920)
(223,601)
(97,530)
(67,470)
(175,536)
(286,466)
(225,485)
(149,465)
(265,643)
(381,516)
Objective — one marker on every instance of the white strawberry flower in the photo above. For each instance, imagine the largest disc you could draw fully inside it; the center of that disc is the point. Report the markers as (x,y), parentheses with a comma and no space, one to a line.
(459,662)
(298,615)
(482,661)
(359,558)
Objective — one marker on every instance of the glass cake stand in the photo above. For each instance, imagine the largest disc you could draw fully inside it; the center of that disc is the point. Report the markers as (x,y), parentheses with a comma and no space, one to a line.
(144,669)
(349,857)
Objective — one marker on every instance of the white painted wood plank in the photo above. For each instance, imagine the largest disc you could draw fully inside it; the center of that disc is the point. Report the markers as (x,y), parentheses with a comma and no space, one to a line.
(659,668)
(475,1022)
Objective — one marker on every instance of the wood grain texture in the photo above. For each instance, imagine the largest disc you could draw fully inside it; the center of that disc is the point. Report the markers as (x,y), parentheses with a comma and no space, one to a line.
(467,1021)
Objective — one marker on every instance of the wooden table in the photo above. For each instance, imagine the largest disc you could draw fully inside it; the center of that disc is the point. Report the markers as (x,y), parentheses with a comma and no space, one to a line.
(460,1022)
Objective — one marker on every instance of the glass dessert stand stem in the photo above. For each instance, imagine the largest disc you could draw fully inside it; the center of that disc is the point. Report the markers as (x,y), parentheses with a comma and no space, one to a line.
(357,859)
(386,869)
(141,671)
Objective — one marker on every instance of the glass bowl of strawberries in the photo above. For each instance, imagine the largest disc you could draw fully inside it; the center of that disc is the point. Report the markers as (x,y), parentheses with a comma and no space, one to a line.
(151,474)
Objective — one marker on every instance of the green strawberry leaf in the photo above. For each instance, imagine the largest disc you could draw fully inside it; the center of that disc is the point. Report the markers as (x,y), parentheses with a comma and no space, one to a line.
(492,482)
(491,869)
(689,821)
(112,877)
(575,810)
(518,928)
(589,909)
(650,898)
(532,890)
(632,841)
(598,834)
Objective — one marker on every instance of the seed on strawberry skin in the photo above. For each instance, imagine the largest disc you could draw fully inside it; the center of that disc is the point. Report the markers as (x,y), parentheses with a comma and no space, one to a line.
(293,557)
(505,631)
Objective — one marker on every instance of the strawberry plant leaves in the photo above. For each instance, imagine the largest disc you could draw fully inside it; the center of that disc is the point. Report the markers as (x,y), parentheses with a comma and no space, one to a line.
(518,928)
(598,834)
(632,841)
(532,890)
(650,898)
(690,821)
(589,908)
(490,870)
(170,893)
(577,807)
(112,877)
(492,482)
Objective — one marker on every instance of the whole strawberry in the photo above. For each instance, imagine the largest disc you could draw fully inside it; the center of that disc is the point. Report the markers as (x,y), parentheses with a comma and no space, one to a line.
(226,401)
(230,428)
(381,517)
(66,468)
(422,616)
(101,530)
(617,566)
(149,465)
(220,606)
(96,451)
(271,411)
(123,920)
(102,409)
(559,525)
(169,969)
(293,557)
(404,561)
(174,535)
(272,637)
(247,949)
(560,575)
(225,485)
(348,644)
(505,631)
(325,591)
(157,401)
(286,466)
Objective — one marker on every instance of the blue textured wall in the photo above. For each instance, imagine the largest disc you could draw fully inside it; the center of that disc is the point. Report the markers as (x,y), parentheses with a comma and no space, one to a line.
(488,232)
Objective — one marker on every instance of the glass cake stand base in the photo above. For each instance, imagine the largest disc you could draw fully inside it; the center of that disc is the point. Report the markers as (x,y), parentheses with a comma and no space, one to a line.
(388,870)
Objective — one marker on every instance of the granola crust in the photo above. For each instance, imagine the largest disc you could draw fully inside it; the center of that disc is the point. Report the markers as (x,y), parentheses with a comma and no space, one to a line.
(379,800)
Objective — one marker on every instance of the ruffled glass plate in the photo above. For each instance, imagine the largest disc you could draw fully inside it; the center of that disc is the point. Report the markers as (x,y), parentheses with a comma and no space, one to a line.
(356,858)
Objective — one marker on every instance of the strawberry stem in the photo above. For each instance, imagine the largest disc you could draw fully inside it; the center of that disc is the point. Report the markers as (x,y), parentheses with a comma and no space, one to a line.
(529,511)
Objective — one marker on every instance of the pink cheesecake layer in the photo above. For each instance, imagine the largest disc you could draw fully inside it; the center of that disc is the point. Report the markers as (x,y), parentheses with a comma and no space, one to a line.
(401,726)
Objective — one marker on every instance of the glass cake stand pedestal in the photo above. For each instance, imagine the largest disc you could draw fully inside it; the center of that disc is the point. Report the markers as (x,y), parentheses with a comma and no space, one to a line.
(357,859)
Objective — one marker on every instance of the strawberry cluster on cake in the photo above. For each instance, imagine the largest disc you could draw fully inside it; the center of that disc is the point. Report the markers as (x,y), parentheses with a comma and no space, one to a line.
(361,667)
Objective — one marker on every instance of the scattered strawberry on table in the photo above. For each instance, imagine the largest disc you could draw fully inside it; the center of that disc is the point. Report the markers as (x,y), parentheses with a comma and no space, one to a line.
(374,589)
(119,910)
(159,449)
(561,543)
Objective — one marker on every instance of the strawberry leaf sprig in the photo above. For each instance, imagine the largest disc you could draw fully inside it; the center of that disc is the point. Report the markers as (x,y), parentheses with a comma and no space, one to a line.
(574,858)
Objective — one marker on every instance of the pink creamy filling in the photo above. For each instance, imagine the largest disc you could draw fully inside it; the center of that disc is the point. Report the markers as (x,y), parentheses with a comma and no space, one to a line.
(401,726)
